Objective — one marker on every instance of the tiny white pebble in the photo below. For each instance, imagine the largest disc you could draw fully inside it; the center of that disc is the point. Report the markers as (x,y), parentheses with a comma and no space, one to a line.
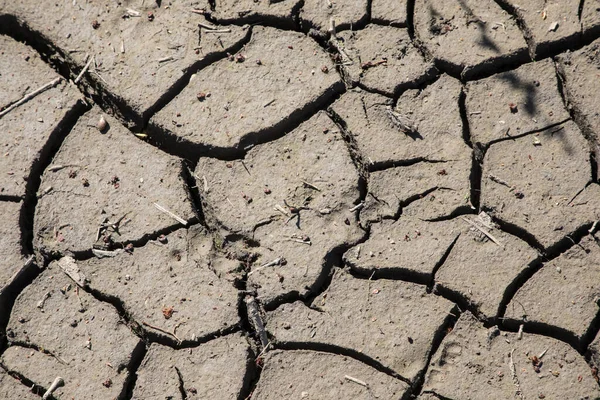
(141,180)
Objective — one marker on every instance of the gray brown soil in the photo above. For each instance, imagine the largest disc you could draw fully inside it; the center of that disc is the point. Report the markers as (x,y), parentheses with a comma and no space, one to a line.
(300,199)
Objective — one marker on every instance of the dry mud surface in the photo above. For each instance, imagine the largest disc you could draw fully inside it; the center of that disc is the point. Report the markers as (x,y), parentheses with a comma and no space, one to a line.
(300,199)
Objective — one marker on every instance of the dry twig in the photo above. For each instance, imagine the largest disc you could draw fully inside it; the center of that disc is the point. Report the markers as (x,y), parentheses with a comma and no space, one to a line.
(30,96)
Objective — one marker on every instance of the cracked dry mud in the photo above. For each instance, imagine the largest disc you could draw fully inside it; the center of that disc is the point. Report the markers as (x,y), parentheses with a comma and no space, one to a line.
(300,199)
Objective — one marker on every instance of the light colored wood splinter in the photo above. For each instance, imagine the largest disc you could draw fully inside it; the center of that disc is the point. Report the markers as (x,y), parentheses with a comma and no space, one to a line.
(170,214)
(30,96)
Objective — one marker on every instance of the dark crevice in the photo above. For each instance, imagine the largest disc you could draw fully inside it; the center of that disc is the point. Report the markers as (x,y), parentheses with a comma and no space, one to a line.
(476,175)
(36,389)
(252,376)
(521,24)
(385,22)
(547,256)
(85,255)
(594,166)
(95,89)
(542,329)
(441,262)
(175,145)
(284,23)
(551,251)
(409,200)
(591,333)
(65,66)
(462,108)
(515,230)
(338,350)
(438,396)
(150,335)
(9,295)
(520,280)
(357,157)
(443,331)
(181,384)
(580,9)
(579,118)
(422,85)
(47,153)
(457,212)
(528,133)
(333,259)
(431,75)
(253,364)
(383,165)
(10,199)
(410,18)
(484,69)
(464,303)
(184,80)
(393,274)
(137,357)
(194,193)
(310,28)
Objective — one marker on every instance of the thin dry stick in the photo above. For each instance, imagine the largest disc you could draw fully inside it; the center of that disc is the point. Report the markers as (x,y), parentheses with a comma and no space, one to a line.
(29,261)
(357,381)
(486,233)
(30,96)
(277,261)
(310,185)
(162,330)
(263,351)
(170,214)
(87,65)
(513,373)
(357,207)
(593,228)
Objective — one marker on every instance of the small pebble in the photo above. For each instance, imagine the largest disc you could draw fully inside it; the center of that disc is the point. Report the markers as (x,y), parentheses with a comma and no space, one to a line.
(102,124)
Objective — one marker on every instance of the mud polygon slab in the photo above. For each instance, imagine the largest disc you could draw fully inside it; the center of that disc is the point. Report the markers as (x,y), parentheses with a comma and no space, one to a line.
(307,169)
(538,183)
(590,17)
(549,23)
(316,14)
(12,261)
(110,176)
(292,374)
(214,370)
(374,126)
(383,59)
(479,269)
(392,322)
(514,103)
(137,59)
(468,36)
(475,363)
(279,79)
(248,11)
(581,70)
(159,277)
(410,247)
(433,190)
(11,388)
(58,330)
(393,13)
(29,129)
(565,292)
